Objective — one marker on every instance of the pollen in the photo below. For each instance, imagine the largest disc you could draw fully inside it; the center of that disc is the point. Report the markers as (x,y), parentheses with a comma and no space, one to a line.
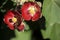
(14,20)
(32,10)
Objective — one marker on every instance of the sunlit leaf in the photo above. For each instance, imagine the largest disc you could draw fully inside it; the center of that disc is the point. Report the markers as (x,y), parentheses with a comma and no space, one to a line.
(22,35)
(51,11)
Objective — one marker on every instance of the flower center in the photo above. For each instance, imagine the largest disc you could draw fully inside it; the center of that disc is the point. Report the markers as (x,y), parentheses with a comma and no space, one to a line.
(32,10)
(14,20)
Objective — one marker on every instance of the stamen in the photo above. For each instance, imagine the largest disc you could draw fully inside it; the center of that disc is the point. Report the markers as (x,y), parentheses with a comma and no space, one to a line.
(32,10)
(14,20)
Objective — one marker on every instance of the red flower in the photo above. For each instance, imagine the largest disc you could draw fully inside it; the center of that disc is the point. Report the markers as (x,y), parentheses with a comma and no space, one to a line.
(31,11)
(13,19)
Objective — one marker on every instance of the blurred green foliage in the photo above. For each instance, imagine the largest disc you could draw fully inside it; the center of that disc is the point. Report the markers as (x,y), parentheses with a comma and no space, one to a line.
(51,11)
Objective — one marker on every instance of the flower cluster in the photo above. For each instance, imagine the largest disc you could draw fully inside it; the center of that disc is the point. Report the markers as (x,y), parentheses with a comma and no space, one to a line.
(29,11)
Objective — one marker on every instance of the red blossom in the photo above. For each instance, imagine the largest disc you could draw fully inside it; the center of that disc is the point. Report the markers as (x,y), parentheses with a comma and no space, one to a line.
(31,11)
(13,19)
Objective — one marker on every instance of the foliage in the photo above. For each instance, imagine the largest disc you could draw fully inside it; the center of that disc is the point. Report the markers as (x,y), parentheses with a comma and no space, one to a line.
(51,11)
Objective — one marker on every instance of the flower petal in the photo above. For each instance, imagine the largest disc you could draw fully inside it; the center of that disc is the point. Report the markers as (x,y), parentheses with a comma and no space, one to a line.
(11,26)
(26,16)
(36,17)
(21,27)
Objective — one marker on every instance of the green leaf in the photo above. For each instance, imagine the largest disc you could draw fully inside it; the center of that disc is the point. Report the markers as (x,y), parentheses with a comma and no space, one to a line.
(26,26)
(51,11)
(22,35)
(55,34)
